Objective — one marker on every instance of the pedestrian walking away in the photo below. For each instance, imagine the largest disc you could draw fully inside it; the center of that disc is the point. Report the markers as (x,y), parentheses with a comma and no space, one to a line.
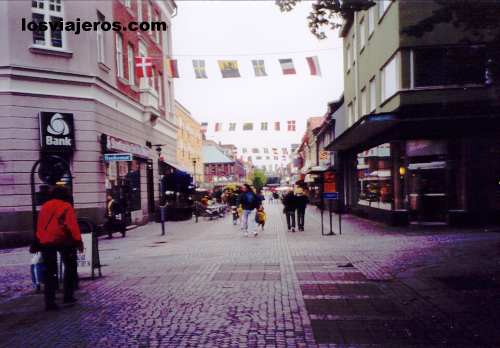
(249,201)
(115,217)
(58,231)
(289,209)
(301,201)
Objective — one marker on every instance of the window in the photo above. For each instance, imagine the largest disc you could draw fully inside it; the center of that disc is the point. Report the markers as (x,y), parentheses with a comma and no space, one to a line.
(247,126)
(139,10)
(449,66)
(364,102)
(100,39)
(362,34)
(276,158)
(160,89)
(291,126)
(255,150)
(130,64)
(350,115)
(127,3)
(48,11)
(266,150)
(157,32)
(232,127)
(373,95)
(371,20)
(375,177)
(276,126)
(349,57)
(150,12)
(354,50)
(355,110)
(258,157)
(119,55)
(389,78)
(244,150)
(263,126)
(383,5)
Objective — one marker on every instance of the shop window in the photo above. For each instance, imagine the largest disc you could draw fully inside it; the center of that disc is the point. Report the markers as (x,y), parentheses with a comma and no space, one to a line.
(375,177)
(444,66)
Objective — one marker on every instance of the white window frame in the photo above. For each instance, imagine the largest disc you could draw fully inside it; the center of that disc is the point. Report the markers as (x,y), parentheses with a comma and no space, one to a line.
(127,3)
(383,6)
(371,21)
(47,13)
(362,34)
(101,53)
(143,52)
(364,102)
(119,55)
(139,10)
(383,78)
(373,94)
(350,115)
(131,64)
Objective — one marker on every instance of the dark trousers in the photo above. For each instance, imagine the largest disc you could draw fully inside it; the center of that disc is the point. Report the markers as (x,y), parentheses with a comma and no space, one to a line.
(68,255)
(290,218)
(300,218)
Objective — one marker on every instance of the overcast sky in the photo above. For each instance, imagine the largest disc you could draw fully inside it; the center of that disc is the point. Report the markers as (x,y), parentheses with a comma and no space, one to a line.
(246,30)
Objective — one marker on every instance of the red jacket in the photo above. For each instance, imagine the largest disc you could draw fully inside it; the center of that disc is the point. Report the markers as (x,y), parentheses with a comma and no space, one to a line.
(57,224)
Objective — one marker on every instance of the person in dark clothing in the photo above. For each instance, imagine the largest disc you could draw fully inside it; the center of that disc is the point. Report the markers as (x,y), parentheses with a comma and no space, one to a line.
(249,201)
(115,219)
(58,231)
(289,210)
(301,201)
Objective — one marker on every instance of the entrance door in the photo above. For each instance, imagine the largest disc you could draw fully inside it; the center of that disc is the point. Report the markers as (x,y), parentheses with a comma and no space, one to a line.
(427,197)
(150,188)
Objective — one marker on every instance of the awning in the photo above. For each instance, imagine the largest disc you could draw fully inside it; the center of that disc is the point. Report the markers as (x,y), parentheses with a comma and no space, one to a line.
(366,128)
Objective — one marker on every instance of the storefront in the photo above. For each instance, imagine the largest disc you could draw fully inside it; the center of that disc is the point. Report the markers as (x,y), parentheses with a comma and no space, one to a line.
(427,173)
(129,180)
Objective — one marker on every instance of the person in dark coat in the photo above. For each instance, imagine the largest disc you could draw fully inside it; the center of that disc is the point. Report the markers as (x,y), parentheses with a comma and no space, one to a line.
(249,202)
(115,219)
(301,201)
(289,209)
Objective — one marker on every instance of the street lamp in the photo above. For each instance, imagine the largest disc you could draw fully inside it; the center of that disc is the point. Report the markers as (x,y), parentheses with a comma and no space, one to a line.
(162,190)
(194,172)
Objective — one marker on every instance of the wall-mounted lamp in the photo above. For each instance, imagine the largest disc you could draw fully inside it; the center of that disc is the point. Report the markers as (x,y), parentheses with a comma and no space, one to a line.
(402,171)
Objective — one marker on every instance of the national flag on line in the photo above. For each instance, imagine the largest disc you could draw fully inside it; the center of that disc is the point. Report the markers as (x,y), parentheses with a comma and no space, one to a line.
(258,67)
(287,66)
(218,126)
(199,69)
(144,66)
(229,68)
(172,69)
(313,64)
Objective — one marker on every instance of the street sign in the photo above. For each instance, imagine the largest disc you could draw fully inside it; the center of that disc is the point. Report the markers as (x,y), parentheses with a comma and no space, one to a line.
(331,196)
(118,157)
(329,182)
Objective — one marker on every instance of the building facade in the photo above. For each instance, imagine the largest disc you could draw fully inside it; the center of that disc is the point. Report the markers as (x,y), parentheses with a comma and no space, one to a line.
(52,81)
(421,140)
(189,143)
(219,169)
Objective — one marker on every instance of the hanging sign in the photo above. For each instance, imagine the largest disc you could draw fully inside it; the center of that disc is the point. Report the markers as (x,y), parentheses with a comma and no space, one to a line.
(57,132)
(330,186)
(118,157)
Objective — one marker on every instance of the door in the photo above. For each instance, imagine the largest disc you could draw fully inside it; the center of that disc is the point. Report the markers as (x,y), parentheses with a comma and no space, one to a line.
(150,188)
(427,192)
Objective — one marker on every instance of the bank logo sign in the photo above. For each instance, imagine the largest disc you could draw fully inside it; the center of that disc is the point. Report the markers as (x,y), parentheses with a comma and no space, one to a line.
(57,132)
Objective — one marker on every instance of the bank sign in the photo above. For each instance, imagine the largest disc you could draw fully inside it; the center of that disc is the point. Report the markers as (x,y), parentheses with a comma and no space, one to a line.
(57,132)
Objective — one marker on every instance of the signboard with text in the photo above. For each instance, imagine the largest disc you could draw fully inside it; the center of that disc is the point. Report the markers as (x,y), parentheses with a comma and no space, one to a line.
(330,186)
(118,157)
(57,132)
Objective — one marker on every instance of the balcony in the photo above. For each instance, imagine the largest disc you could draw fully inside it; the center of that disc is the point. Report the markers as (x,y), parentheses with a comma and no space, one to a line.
(149,97)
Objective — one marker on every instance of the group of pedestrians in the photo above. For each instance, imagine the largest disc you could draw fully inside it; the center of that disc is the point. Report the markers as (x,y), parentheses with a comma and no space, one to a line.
(250,201)
(295,202)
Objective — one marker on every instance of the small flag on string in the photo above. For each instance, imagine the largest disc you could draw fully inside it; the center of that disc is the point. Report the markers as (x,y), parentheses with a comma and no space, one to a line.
(144,66)
(287,66)
(259,67)
(199,69)
(229,68)
(313,64)
(218,126)
(204,127)
(172,69)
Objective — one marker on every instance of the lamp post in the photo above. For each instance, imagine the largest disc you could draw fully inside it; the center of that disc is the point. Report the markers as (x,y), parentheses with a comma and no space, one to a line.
(162,191)
(194,172)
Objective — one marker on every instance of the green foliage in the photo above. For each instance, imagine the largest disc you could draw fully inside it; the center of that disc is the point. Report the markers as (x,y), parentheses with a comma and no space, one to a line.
(327,14)
(258,179)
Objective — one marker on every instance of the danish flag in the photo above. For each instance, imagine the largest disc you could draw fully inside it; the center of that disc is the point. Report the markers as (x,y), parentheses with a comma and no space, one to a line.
(143,66)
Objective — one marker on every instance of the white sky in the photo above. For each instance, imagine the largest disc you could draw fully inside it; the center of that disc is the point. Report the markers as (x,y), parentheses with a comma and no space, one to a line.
(246,30)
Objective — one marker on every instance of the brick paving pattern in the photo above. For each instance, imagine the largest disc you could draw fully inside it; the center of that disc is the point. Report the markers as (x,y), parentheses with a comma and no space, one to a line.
(206,285)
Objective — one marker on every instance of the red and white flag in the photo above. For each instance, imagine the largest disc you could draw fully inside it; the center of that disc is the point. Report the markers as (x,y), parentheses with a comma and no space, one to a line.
(313,64)
(144,66)
(287,66)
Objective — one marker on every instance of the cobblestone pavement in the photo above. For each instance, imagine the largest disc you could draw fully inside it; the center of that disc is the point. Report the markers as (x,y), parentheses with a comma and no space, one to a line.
(206,285)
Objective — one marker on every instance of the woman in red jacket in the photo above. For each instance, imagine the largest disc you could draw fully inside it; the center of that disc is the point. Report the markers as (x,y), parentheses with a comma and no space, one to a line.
(58,231)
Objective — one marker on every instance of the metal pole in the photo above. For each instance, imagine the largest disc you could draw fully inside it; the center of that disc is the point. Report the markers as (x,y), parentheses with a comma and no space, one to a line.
(322,224)
(340,220)
(330,212)
(162,207)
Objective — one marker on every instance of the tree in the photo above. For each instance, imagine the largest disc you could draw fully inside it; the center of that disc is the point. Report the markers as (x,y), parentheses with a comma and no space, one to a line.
(327,14)
(258,179)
